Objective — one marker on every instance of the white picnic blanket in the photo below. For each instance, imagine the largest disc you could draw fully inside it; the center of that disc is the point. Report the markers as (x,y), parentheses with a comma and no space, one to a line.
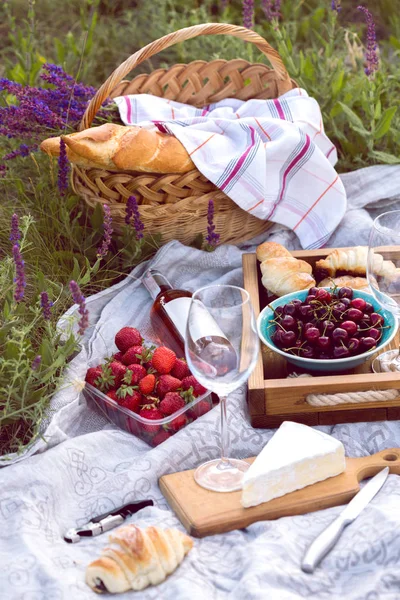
(84,466)
(271,157)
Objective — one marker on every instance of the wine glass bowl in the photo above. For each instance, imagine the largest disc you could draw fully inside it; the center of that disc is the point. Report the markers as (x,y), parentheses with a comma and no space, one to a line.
(383,274)
(221,347)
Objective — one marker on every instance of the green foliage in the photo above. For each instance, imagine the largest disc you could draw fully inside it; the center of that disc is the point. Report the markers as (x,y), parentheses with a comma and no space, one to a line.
(323,51)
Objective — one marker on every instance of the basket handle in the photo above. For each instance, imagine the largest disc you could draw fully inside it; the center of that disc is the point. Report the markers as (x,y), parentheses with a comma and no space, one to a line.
(169,40)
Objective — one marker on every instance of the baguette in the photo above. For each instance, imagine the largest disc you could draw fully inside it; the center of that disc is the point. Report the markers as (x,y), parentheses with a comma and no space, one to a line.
(120,148)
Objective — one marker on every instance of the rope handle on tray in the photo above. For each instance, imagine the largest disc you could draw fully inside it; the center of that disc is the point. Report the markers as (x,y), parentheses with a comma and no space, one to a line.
(349,397)
(174,38)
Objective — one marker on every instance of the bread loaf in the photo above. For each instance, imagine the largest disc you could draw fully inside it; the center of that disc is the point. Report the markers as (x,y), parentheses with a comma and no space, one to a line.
(120,148)
(281,272)
(137,558)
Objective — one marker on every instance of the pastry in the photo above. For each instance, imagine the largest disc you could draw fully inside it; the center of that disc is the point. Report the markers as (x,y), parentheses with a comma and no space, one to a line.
(281,272)
(120,148)
(286,274)
(271,250)
(352,261)
(137,558)
(356,283)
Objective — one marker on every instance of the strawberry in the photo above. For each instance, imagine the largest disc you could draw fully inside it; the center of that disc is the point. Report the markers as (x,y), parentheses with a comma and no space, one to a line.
(92,375)
(163,360)
(180,369)
(127,337)
(118,356)
(160,437)
(171,403)
(146,385)
(118,370)
(132,401)
(113,395)
(150,412)
(191,382)
(178,423)
(137,372)
(201,408)
(133,355)
(167,383)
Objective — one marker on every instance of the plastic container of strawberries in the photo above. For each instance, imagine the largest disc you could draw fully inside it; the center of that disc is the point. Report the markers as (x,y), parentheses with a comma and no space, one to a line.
(152,431)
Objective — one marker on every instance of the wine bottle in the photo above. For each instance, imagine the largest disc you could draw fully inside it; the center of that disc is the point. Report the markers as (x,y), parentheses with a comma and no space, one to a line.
(169,316)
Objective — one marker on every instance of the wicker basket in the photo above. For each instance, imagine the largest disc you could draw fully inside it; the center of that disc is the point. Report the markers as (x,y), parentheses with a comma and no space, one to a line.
(175,205)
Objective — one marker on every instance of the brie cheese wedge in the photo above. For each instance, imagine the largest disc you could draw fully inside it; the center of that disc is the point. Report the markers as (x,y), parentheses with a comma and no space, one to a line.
(295,456)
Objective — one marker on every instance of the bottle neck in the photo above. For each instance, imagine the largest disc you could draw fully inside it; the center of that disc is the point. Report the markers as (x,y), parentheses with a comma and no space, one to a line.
(156,283)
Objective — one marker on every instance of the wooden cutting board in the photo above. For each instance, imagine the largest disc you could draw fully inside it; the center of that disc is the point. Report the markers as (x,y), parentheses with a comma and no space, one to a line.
(203,512)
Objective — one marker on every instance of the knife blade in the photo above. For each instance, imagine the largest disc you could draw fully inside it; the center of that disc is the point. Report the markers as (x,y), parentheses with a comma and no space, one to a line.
(328,538)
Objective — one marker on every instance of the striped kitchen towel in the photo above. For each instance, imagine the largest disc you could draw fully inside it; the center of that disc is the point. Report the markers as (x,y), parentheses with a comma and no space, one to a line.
(271,157)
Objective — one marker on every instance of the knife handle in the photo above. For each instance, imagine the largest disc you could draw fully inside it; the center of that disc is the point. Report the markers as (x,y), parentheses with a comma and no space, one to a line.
(323,544)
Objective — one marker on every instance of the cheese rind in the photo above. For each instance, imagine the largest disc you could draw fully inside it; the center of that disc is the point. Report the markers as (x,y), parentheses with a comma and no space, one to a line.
(296,456)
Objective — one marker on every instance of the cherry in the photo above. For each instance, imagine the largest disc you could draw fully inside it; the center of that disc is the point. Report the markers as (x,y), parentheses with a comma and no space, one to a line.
(288,322)
(323,295)
(374,333)
(307,352)
(359,303)
(376,319)
(353,345)
(324,342)
(308,326)
(341,352)
(345,292)
(366,318)
(312,334)
(345,301)
(349,326)
(296,302)
(368,308)
(327,327)
(338,310)
(313,291)
(340,335)
(305,311)
(288,338)
(276,336)
(368,342)
(354,314)
(324,356)
(279,311)
(310,298)
(289,309)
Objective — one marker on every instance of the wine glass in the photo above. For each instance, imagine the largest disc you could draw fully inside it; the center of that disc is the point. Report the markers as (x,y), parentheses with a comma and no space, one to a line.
(384,278)
(221,346)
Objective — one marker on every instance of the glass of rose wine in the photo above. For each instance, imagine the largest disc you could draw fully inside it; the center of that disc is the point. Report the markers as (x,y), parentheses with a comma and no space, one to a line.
(384,278)
(221,346)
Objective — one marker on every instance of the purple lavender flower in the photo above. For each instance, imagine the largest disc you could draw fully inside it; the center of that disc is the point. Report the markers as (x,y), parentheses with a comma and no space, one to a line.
(132,210)
(79,299)
(371,55)
(212,238)
(46,305)
(335,5)
(63,168)
(36,362)
(271,9)
(108,231)
(15,233)
(19,279)
(248,13)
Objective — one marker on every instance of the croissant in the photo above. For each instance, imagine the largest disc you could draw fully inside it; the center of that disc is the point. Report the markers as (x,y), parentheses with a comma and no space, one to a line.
(121,148)
(286,274)
(137,558)
(356,283)
(271,250)
(352,262)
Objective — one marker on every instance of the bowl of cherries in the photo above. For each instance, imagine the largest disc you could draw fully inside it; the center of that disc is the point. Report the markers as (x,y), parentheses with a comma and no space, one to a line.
(326,329)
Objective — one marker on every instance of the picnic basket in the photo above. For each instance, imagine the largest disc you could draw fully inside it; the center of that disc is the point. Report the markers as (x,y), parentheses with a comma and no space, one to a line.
(175,205)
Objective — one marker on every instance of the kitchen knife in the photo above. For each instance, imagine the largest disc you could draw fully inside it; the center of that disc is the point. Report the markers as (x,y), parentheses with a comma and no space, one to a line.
(328,538)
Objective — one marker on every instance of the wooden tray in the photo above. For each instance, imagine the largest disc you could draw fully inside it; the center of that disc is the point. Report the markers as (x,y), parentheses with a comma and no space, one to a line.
(274,398)
(203,512)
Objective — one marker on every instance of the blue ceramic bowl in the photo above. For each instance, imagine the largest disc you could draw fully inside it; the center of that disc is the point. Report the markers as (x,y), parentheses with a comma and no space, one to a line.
(265,331)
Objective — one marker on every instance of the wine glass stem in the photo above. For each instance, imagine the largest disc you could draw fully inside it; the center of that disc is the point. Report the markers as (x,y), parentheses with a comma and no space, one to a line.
(224,431)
